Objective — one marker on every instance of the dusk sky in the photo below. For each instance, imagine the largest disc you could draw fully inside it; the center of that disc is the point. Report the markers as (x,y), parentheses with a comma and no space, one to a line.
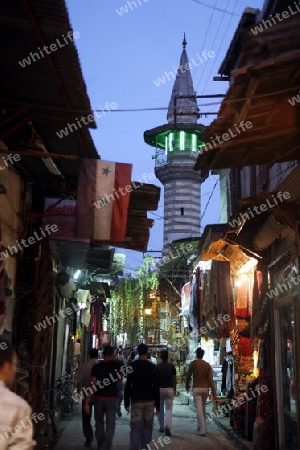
(121,55)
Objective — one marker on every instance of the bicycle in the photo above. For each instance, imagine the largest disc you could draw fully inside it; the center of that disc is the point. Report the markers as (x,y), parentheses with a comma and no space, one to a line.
(50,431)
(63,398)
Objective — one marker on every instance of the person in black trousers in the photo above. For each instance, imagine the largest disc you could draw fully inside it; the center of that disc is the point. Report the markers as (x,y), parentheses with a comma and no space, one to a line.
(83,379)
(141,393)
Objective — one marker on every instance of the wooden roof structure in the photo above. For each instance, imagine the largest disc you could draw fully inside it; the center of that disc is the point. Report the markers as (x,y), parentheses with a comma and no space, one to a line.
(40,99)
(266,77)
(45,96)
(144,198)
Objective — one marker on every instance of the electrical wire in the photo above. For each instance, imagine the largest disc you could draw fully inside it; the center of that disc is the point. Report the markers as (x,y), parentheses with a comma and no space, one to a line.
(212,46)
(217,52)
(217,9)
(208,201)
(206,34)
(224,101)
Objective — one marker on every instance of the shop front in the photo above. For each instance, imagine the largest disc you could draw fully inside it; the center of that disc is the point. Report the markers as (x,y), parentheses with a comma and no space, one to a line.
(285,291)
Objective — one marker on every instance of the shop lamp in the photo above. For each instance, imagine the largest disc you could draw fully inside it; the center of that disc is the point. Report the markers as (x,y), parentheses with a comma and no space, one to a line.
(238,283)
(76,275)
(148,311)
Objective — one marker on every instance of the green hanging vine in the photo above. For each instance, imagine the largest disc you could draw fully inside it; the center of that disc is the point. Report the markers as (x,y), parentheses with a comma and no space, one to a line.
(129,299)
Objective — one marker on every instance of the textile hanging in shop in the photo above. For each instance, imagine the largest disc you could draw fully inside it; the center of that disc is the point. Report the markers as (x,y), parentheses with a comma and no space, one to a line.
(228,375)
(256,303)
(83,296)
(97,311)
(242,301)
(245,347)
(246,364)
(194,308)
(206,293)
(102,200)
(67,290)
(221,296)
(185,298)
(228,346)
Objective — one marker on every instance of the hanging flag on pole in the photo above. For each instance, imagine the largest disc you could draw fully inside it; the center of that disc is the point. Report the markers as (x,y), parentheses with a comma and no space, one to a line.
(102,200)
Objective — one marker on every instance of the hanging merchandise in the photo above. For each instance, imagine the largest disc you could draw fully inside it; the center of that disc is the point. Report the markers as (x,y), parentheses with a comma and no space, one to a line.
(78,334)
(97,311)
(185,298)
(228,375)
(256,303)
(242,301)
(228,346)
(245,347)
(68,288)
(221,301)
(194,300)
(82,296)
(261,355)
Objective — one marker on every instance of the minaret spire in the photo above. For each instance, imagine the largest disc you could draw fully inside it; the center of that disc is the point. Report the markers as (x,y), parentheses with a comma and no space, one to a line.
(186,107)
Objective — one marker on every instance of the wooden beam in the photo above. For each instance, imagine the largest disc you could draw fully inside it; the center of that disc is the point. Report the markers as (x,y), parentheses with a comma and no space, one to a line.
(39,154)
(13,116)
(37,30)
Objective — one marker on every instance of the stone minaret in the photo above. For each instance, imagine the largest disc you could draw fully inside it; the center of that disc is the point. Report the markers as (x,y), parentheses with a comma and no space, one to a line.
(177,146)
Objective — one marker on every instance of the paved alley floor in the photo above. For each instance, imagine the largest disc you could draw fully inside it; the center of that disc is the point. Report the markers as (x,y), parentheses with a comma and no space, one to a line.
(184,436)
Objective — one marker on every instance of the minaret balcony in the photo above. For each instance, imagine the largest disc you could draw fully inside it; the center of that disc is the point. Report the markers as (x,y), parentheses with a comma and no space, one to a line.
(175,142)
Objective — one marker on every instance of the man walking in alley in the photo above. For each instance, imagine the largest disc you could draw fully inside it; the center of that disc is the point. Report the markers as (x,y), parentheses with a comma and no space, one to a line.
(105,376)
(143,395)
(202,375)
(83,379)
(165,380)
(15,413)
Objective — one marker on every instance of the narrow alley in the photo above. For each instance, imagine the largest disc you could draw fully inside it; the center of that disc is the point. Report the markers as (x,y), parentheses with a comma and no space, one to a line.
(184,436)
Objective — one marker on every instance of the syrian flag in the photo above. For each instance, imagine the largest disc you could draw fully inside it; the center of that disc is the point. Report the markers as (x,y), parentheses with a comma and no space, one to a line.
(102,200)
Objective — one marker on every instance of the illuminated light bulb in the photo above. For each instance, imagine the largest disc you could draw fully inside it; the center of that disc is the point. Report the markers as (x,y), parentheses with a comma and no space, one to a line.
(238,283)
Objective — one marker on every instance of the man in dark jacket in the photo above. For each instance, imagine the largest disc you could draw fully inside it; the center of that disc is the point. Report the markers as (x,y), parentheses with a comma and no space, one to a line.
(141,392)
(104,378)
(165,380)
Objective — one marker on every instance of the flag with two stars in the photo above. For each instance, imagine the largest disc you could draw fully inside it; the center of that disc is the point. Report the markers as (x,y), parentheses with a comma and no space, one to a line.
(102,200)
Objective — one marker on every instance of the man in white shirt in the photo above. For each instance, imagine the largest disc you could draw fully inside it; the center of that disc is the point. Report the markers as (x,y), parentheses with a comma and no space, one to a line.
(16,429)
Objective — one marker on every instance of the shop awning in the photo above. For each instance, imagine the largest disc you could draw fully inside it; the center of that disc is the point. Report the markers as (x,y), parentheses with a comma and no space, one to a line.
(214,245)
